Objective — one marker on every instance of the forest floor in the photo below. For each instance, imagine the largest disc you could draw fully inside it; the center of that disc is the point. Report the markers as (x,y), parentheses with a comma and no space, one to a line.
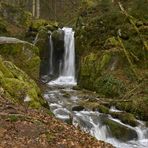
(21,127)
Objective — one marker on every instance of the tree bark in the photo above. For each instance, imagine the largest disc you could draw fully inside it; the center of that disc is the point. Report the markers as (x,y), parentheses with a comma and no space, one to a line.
(33,8)
(37,8)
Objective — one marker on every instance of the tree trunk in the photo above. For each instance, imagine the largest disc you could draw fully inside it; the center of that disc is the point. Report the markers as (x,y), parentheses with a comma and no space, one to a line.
(33,8)
(37,8)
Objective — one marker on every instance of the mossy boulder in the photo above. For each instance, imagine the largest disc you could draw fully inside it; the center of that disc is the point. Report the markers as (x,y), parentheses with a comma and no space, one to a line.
(126,118)
(4,70)
(24,55)
(103,109)
(120,132)
(94,105)
(19,86)
(39,23)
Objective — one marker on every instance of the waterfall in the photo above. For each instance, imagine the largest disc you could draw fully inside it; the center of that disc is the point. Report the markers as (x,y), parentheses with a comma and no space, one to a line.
(51,54)
(67,70)
(69,56)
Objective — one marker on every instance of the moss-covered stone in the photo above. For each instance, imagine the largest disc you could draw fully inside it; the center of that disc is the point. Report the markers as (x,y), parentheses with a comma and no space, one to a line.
(24,56)
(18,87)
(105,60)
(103,109)
(39,23)
(126,118)
(117,130)
(4,70)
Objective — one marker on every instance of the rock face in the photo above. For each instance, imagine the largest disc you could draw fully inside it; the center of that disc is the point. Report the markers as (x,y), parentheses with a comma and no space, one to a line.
(58,53)
(18,87)
(57,37)
(23,54)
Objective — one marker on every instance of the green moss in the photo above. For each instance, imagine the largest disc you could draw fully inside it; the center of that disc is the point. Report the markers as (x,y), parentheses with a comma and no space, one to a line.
(92,105)
(15,87)
(111,42)
(39,23)
(126,118)
(24,56)
(137,106)
(103,109)
(117,130)
(110,86)
(19,90)
(32,67)
(20,87)
(4,70)
(105,60)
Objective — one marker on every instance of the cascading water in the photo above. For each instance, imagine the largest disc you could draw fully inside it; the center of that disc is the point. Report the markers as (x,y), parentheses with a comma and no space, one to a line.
(51,54)
(93,122)
(69,56)
(67,73)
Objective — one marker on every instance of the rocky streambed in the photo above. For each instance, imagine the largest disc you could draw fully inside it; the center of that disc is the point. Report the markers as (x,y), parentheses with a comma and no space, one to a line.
(85,110)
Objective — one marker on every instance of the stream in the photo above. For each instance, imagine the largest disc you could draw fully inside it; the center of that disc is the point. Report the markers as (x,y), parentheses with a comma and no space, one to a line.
(64,104)
(62,100)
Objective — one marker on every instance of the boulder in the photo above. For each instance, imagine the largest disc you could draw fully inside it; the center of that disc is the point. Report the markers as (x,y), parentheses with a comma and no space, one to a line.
(77,108)
(25,55)
(18,86)
(119,131)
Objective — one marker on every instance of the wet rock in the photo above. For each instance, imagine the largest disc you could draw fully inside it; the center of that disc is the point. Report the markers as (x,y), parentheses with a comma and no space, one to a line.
(78,108)
(120,132)
(126,118)
(102,109)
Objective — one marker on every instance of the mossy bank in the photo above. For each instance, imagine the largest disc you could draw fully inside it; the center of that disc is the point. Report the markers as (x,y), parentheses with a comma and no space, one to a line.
(112,52)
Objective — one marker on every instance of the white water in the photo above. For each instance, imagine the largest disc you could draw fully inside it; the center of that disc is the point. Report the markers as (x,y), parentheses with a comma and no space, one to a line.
(51,54)
(113,109)
(67,75)
(69,55)
(92,121)
(88,121)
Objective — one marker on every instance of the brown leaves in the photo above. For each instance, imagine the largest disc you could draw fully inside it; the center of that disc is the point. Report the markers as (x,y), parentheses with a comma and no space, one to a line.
(36,129)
